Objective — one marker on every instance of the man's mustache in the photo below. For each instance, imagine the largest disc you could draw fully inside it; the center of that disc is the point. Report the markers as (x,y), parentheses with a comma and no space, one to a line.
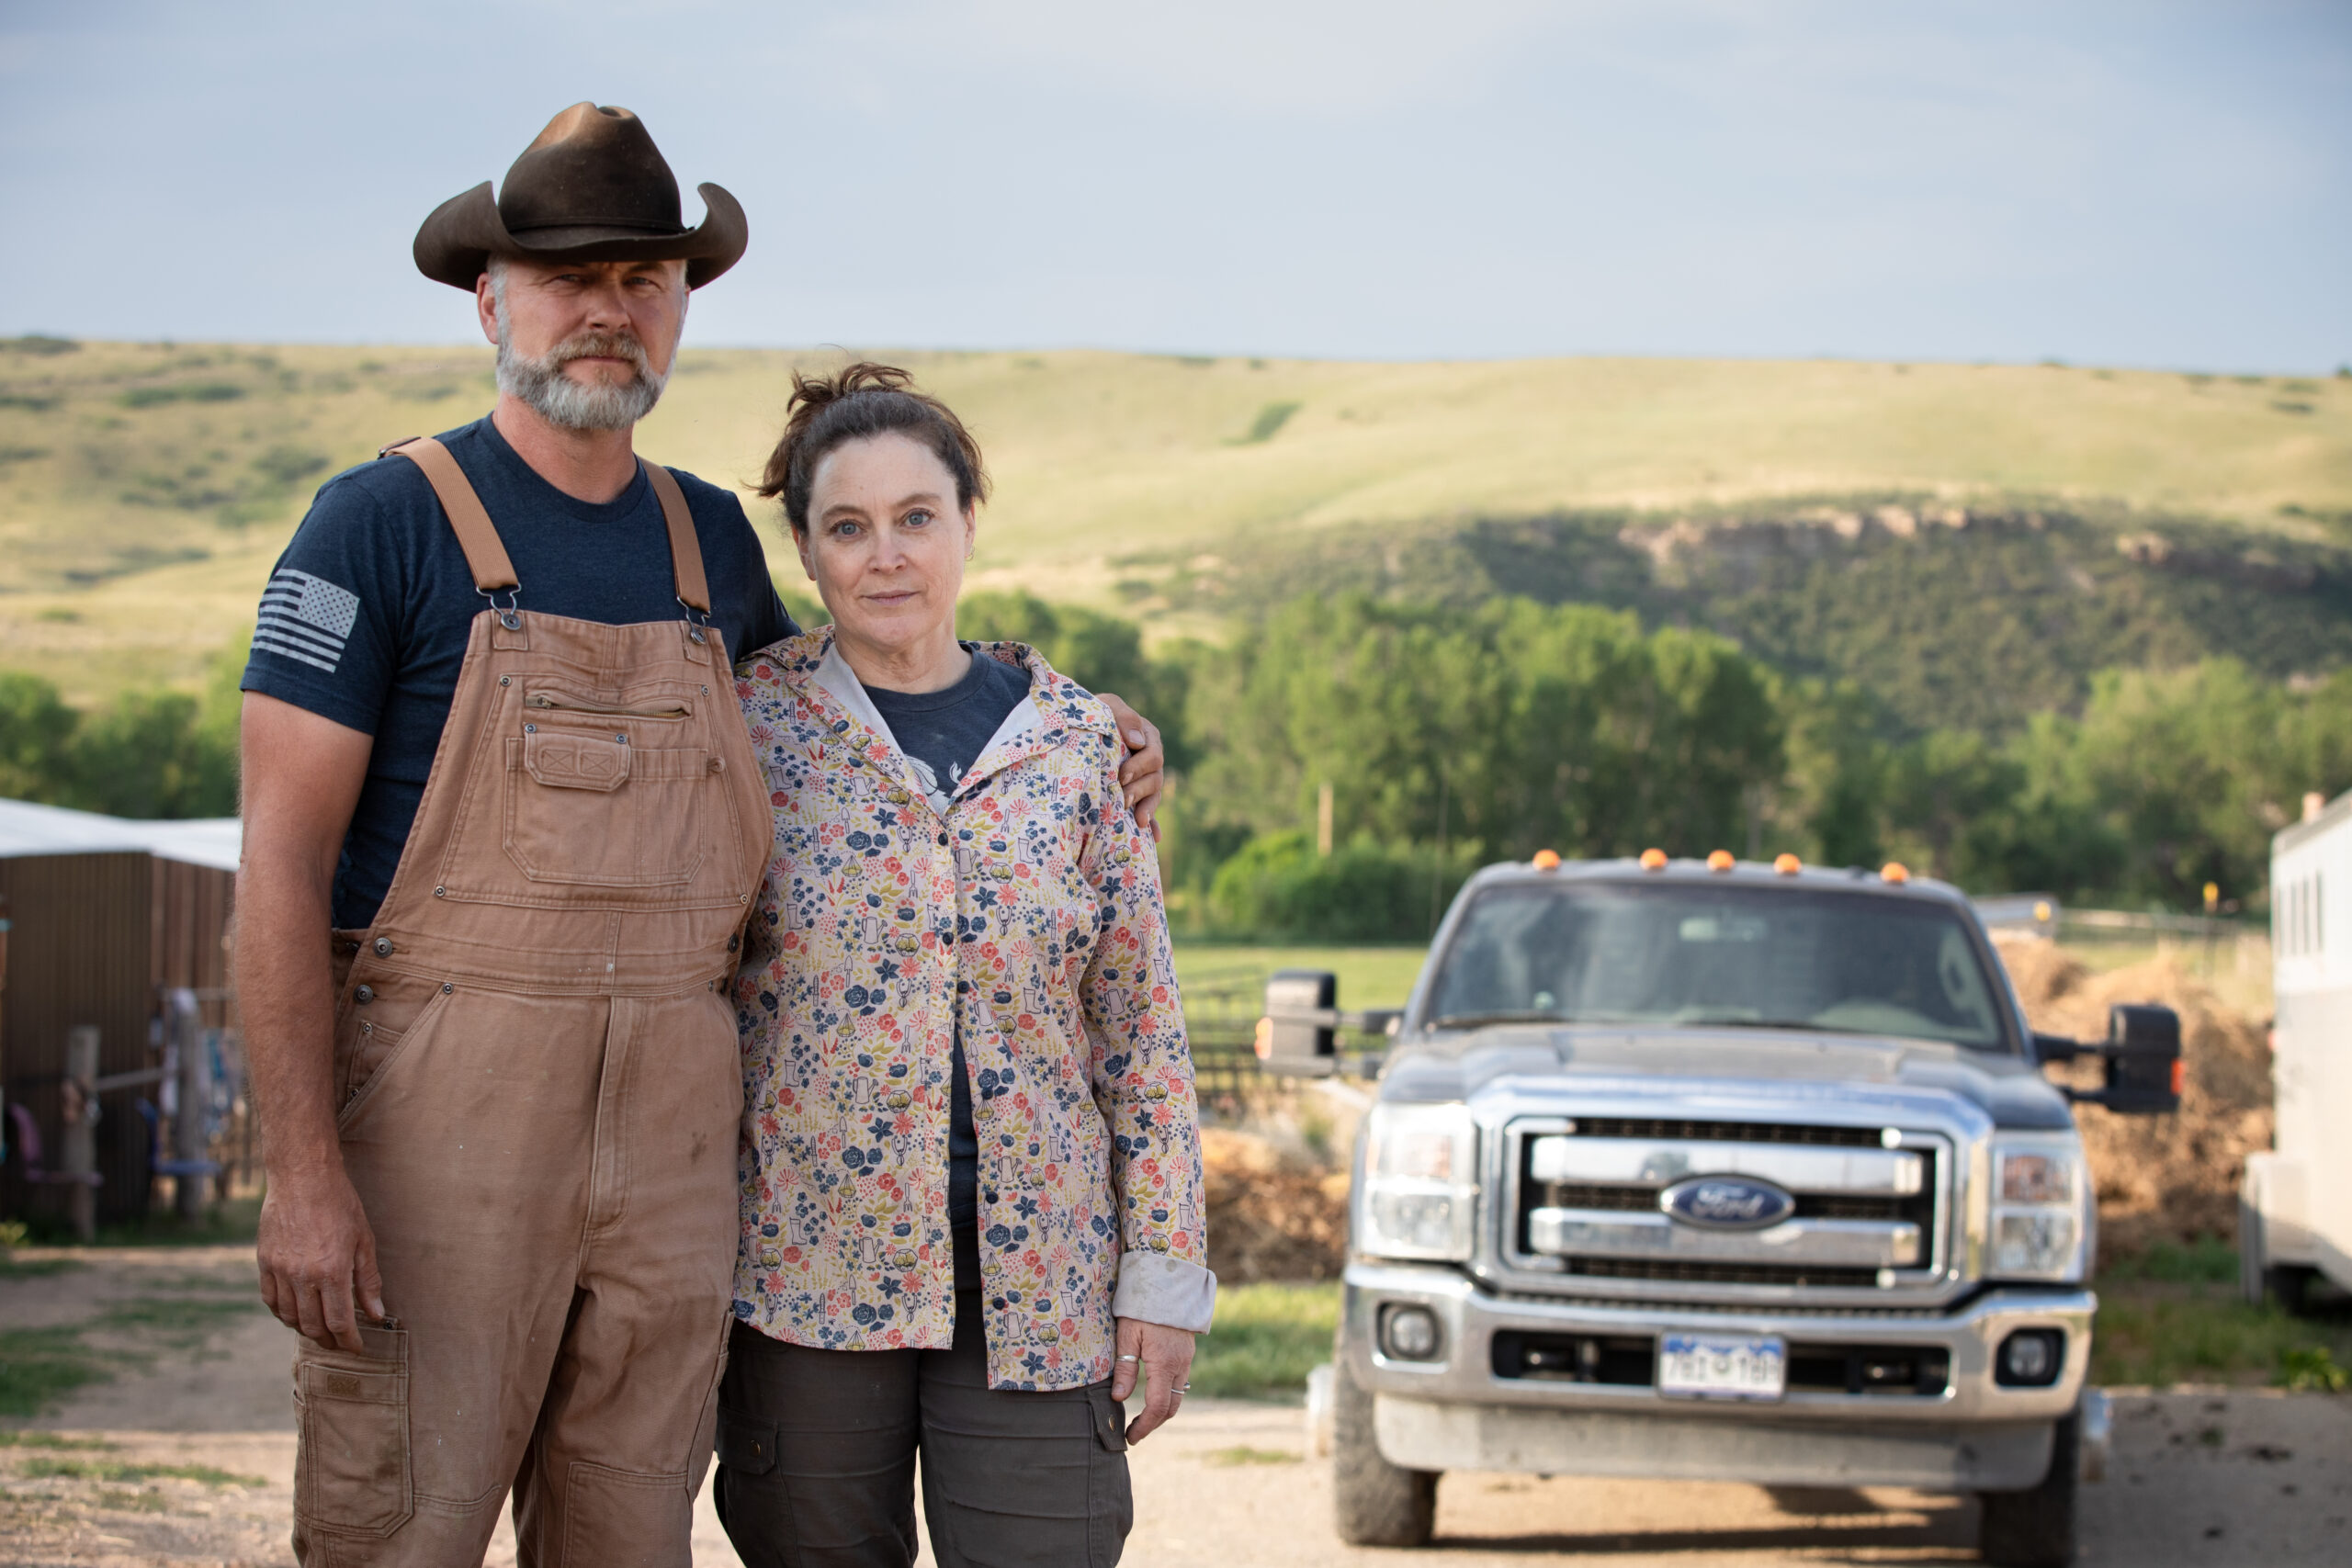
(600,345)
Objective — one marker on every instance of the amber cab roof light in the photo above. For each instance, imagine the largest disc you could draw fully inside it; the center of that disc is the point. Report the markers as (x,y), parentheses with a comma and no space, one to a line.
(1653,859)
(1895,870)
(1547,859)
(1787,864)
(1721,860)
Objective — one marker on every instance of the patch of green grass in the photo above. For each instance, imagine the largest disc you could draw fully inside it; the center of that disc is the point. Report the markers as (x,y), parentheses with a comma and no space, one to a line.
(2310,1369)
(1243,1453)
(17,1438)
(1266,1339)
(224,1225)
(14,1268)
(1369,976)
(122,1471)
(2158,1334)
(41,1366)
(1269,423)
(118,1501)
(2208,1260)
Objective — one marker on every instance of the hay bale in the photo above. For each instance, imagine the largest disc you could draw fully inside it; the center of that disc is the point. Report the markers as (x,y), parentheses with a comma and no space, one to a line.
(1274,1212)
(2158,1176)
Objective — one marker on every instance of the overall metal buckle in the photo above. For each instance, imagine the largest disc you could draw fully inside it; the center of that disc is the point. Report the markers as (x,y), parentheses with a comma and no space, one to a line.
(693,626)
(510,614)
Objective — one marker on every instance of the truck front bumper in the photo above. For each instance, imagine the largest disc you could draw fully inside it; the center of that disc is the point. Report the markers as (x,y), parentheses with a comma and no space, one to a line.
(1456,1411)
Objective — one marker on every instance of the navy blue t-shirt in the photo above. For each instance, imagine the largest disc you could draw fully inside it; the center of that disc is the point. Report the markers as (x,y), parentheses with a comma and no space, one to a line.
(366,619)
(944,732)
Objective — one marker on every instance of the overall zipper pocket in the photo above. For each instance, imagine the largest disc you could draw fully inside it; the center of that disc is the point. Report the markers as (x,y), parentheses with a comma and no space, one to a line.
(564,701)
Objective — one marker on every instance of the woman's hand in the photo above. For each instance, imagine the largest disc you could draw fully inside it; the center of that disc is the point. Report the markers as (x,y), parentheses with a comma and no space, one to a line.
(1164,1355)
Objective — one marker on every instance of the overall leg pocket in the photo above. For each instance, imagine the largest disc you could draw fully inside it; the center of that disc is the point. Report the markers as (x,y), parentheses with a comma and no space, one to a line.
(353,1469)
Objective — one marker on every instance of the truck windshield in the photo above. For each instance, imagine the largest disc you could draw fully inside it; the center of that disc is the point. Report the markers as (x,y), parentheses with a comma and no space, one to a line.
(1754,957)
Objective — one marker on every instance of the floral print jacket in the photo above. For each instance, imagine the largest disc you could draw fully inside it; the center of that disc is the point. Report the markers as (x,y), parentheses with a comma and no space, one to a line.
(1030,910)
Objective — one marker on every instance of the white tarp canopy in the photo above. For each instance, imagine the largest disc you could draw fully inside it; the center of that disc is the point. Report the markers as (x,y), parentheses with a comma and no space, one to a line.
(29,829)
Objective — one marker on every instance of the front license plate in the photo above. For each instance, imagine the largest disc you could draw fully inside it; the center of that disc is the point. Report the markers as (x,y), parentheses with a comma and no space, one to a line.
(1721,1366)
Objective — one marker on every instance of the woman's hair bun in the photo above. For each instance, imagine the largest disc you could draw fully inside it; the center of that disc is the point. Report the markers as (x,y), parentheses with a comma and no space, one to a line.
(859,402)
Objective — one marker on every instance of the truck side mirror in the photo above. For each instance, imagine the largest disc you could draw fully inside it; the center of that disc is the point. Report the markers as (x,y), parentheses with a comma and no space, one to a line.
(1298,1037)
(2144,1070)
(2144,1073)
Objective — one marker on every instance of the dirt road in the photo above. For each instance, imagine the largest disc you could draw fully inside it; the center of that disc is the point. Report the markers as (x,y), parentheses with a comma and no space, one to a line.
(185,1456)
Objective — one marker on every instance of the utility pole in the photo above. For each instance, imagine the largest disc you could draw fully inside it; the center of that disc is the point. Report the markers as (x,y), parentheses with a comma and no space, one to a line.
(1323,819)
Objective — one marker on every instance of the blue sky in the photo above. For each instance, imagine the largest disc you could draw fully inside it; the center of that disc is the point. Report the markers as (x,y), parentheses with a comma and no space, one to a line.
(2138,183)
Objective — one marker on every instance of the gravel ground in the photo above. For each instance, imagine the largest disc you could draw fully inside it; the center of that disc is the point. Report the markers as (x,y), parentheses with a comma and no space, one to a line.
(2222,1477)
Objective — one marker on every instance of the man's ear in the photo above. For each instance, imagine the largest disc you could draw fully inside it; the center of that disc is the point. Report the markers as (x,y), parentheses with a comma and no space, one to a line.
(486,306)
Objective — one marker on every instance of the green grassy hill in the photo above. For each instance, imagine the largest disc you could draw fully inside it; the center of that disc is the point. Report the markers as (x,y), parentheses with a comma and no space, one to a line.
(144,489)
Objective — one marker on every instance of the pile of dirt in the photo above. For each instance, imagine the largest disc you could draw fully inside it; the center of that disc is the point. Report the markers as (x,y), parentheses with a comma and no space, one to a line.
(1274,1212)
(2157,1177)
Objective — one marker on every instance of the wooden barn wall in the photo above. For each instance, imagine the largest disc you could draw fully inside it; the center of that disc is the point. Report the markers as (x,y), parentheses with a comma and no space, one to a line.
(188,934)
(79,952)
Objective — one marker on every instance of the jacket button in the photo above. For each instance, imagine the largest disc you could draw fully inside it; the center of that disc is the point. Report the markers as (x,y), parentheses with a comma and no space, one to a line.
(942,841)
(365,995)
(383,947)
(733,942)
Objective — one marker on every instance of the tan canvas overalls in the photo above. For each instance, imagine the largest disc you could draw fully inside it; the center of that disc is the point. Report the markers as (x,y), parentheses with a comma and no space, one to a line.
(535,1060)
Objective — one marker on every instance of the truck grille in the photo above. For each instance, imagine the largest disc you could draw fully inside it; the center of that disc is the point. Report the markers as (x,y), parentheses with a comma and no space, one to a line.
(1921,1372)
(1859,1213)
(1728,1131)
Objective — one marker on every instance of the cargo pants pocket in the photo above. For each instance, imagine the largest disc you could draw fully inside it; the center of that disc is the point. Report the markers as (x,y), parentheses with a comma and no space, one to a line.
(1111,1510)
(353,1470)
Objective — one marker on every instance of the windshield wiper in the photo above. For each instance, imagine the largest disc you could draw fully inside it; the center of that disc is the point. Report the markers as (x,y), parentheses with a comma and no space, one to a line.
(1486,1020)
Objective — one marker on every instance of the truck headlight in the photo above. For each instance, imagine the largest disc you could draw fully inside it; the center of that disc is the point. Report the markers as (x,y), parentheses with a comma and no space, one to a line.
(1417,1196)
(2041,1194)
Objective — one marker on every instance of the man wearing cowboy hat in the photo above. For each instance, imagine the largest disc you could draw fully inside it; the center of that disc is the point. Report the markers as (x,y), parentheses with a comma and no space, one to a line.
(503,824)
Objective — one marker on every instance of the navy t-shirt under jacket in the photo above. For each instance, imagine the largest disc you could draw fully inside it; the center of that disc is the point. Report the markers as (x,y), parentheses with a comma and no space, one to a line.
(365,618)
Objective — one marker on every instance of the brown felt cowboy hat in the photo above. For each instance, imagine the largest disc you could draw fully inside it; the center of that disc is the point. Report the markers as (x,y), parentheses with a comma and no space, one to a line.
(593,187)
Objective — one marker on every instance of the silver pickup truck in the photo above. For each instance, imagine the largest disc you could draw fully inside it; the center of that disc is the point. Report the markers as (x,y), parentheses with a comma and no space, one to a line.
(1723,1170)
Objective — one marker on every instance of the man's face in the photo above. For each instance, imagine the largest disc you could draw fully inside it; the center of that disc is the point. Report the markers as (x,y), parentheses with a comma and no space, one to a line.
(588,345)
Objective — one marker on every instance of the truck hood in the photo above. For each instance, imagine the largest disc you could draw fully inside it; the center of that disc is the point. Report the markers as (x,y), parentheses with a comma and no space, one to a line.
(1773,1065)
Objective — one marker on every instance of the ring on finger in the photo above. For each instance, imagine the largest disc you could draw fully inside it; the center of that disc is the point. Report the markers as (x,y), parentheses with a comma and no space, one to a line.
(1127,1358)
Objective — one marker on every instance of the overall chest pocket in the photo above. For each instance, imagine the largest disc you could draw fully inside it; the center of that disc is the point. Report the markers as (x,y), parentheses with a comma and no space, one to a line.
(594,808)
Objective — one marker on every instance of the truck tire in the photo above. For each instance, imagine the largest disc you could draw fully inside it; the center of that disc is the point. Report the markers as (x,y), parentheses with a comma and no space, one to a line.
(2035,1529)
(1374,1502)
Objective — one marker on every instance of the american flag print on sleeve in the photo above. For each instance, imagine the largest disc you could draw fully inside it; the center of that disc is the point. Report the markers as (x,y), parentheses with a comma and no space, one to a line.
(305,618)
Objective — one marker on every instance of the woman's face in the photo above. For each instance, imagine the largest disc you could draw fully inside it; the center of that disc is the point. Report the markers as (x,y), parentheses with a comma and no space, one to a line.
(886,543)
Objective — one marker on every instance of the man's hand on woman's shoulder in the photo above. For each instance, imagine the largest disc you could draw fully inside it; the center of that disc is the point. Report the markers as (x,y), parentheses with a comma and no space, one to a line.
(1144,774)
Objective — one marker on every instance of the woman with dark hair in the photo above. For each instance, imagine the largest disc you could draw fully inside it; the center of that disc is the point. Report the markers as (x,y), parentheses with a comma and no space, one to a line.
(970,1160)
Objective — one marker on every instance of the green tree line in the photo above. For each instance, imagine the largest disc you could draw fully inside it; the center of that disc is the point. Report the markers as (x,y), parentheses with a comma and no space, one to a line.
(150,752)
(1451,735)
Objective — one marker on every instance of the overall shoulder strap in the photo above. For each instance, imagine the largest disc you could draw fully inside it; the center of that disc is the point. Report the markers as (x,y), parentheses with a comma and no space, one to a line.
(686,549)
(477,536)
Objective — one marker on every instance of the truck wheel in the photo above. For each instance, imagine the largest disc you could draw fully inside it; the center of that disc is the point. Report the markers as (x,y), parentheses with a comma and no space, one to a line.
(1376,1503)
(2035,1529)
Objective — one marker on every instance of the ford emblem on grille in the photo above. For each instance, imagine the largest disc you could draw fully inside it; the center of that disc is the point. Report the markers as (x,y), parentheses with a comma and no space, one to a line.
(1726,1202)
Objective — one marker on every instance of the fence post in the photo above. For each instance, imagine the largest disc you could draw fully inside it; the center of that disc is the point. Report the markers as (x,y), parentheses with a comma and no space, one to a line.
(189,1124)
(79,1152)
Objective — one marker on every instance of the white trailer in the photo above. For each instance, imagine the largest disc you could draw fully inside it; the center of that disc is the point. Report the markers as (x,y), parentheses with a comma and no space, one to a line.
(2295,1209)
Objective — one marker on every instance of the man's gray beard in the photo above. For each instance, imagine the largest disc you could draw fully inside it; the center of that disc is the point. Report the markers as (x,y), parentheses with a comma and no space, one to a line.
(566,403)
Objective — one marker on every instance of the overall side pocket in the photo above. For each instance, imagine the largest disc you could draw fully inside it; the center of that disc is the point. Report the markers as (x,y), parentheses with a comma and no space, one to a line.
(354,1472)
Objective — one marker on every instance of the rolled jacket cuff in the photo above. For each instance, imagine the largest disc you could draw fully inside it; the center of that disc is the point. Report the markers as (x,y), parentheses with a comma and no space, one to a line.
(1166,1290)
